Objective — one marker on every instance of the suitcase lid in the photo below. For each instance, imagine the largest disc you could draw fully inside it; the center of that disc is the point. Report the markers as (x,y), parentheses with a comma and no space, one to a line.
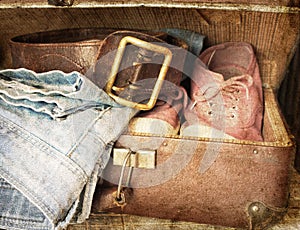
(272,30)
(43,3)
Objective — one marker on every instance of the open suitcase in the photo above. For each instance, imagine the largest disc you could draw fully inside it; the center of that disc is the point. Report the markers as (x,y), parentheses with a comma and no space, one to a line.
(248,184)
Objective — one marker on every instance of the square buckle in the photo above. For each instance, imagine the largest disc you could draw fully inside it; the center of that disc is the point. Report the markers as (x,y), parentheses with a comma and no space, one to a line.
(109,88)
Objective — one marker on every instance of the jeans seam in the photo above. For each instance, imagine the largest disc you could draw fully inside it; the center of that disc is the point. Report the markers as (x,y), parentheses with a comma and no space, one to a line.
(4,220)
(83,136)
(46,149)
(36,141)
(36,201)
(22,220)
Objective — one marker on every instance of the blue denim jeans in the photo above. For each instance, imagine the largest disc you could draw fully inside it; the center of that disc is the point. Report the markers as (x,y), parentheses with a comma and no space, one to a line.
(56,134)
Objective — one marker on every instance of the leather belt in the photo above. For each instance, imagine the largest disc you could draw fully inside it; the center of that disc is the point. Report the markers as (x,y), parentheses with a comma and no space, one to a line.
(67,50)
(151,63)
(134,67)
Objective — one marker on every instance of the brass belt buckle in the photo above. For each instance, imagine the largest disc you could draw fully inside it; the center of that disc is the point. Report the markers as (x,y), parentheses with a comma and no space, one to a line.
(109,88)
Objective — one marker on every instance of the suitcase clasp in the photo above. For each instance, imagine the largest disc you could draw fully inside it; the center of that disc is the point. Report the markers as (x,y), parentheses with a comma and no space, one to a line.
(125,157)
(140,159)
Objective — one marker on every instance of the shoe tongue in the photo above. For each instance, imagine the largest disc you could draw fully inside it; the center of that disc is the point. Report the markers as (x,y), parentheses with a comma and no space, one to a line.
(229,60)
(239,55)
(205,78)
(230,71)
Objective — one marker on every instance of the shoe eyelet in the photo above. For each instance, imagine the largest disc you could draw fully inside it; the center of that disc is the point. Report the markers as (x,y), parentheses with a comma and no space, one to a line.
(209,112)
(232,116)
(234,107)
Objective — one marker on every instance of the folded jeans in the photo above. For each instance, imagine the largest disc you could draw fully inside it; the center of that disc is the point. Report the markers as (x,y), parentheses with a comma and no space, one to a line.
(54,93)
(48,167)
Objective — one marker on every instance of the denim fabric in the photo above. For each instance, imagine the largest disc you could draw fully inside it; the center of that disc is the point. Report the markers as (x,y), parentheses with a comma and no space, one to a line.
(54,93)
(48,167)
(32,217)
(193,39)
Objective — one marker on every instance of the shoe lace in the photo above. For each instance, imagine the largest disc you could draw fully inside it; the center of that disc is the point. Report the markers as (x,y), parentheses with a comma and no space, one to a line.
(226,88)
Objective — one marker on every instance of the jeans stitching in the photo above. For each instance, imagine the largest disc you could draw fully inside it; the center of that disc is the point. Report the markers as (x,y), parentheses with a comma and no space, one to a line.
(5,220)
(21,200)
(23,220)
(36,201)
(31,138)
(83,136)
(39,144)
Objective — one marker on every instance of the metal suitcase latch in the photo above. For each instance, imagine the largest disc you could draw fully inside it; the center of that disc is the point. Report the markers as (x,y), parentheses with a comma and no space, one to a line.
(140,159)
(125,157)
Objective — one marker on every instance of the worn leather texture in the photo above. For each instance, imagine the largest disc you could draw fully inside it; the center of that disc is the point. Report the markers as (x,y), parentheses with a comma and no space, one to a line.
(67,50)
(247,185)
(244,173)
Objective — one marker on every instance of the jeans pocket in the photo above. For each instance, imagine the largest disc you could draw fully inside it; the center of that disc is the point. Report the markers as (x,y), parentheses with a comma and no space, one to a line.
(16,211)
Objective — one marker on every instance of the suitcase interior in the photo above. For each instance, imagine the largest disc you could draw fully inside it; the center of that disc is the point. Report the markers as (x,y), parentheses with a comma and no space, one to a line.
(271,27)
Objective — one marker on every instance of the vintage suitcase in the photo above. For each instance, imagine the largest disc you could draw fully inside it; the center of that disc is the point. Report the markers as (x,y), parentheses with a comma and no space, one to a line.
(247,186)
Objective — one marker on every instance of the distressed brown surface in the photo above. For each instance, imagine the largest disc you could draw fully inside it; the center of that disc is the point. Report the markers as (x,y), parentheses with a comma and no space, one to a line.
(243,173)
(14,3)
(291,220)
(42,52)
(262,29)
(273,35)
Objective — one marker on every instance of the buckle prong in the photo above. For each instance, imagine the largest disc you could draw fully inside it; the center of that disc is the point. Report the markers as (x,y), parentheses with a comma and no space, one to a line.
(116,65)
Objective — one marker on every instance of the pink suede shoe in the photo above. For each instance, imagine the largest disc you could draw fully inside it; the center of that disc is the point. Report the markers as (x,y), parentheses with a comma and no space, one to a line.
(226,92)
(163,119)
